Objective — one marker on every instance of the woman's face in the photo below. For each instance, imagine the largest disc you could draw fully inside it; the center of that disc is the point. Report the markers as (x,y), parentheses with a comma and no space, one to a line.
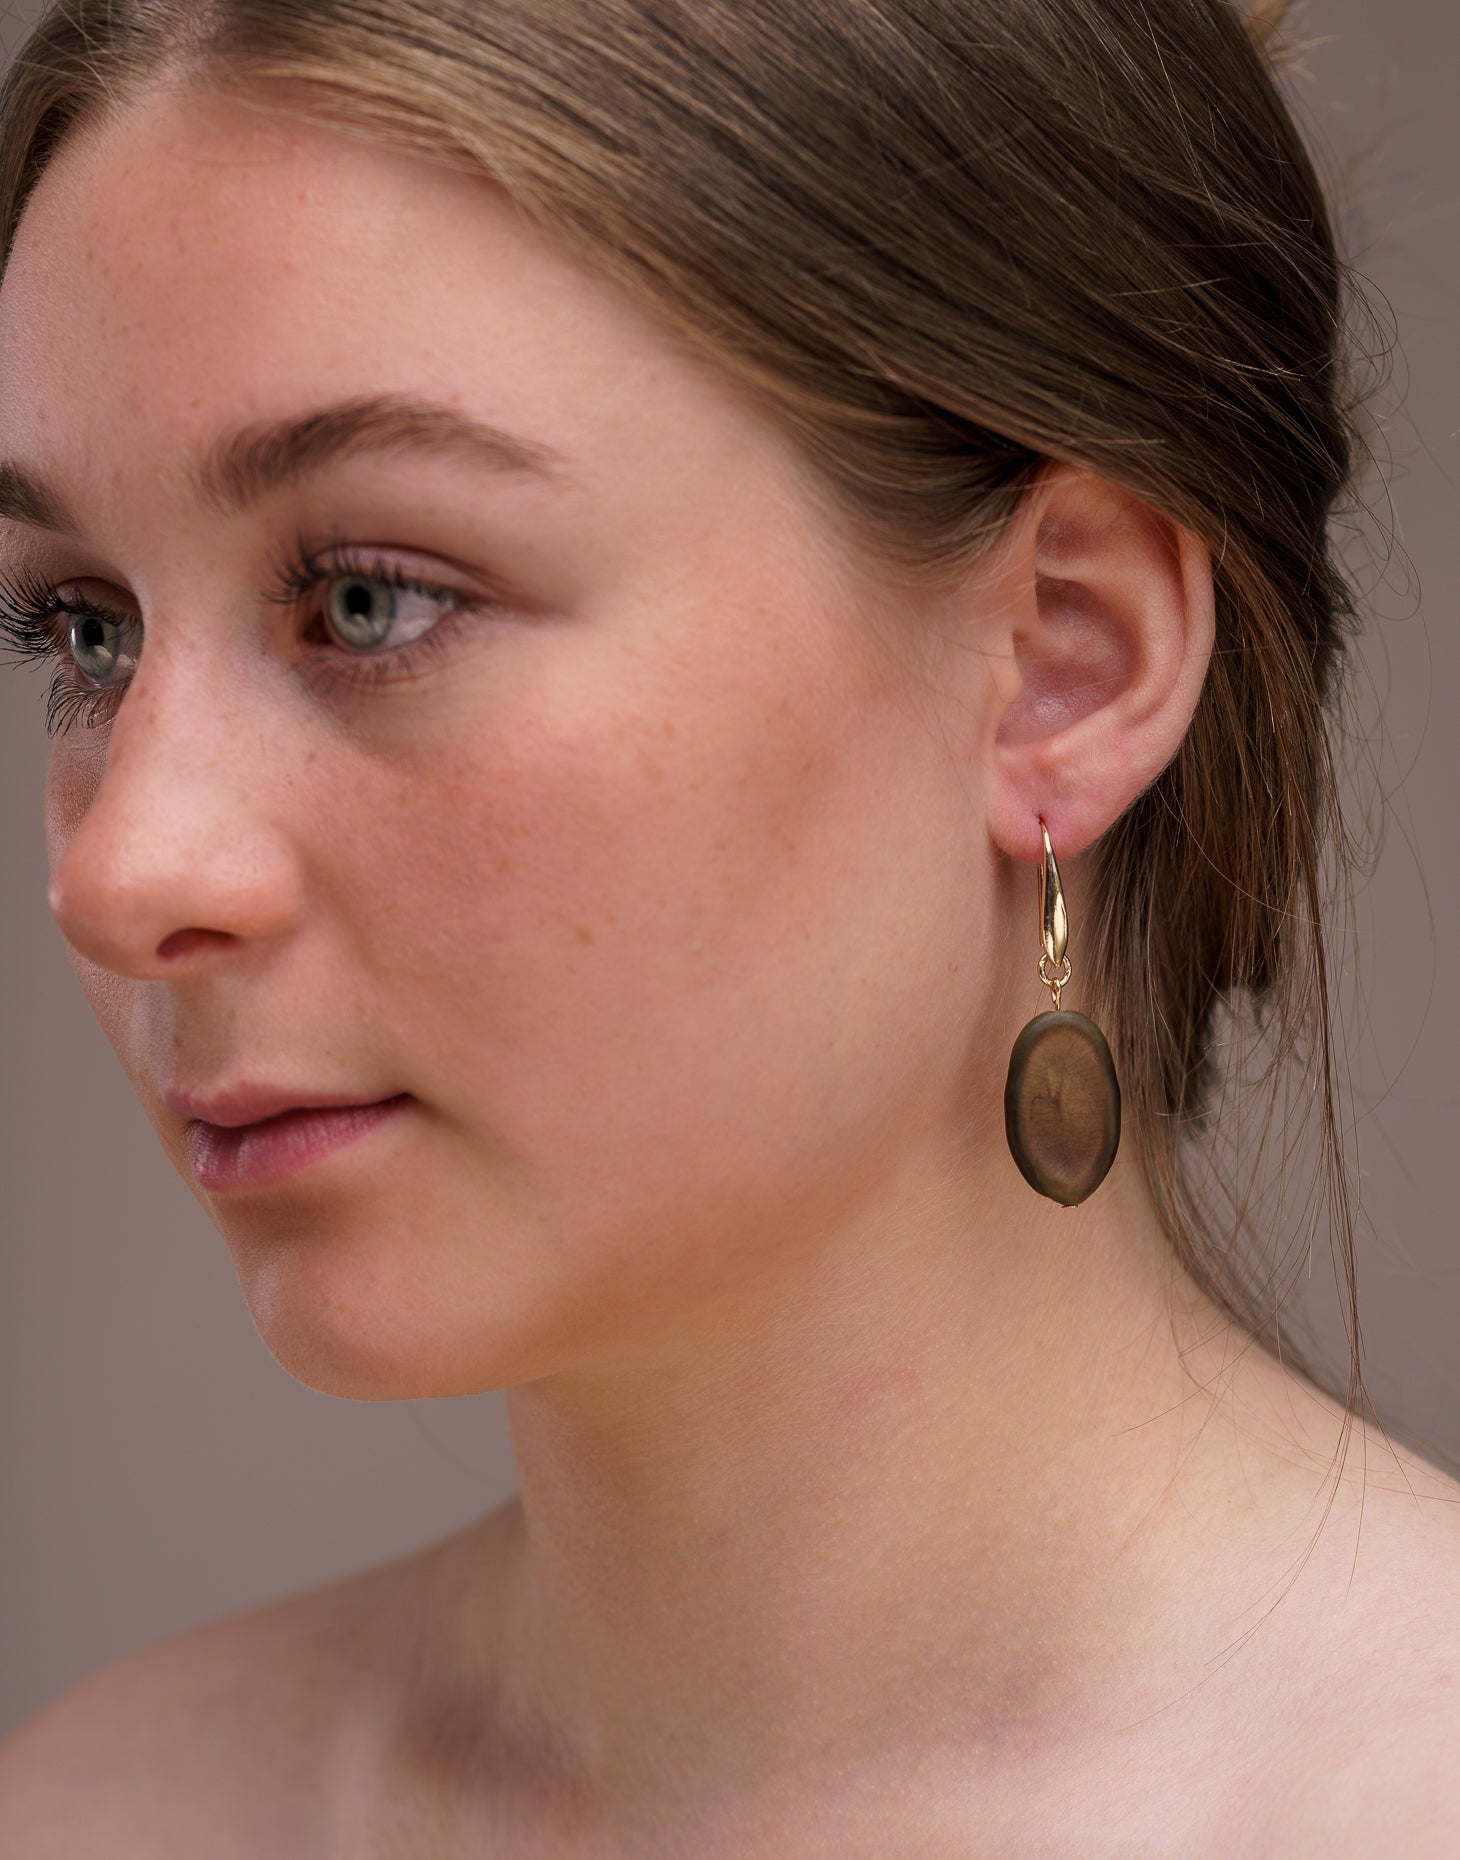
(637,865)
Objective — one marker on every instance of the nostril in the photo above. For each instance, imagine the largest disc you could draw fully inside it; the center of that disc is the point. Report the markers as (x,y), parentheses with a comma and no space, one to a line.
(182,942)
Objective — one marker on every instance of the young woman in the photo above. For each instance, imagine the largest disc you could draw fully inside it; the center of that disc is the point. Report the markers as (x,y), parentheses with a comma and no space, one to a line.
(593,551)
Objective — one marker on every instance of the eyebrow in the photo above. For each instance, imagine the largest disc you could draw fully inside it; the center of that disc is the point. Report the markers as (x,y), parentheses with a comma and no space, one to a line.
(239,469)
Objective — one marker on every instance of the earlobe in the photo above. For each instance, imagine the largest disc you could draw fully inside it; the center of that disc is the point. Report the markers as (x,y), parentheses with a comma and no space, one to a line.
(1107,611)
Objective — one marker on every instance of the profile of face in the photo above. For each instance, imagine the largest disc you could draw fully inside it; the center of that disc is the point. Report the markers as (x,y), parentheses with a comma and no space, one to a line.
(564,782)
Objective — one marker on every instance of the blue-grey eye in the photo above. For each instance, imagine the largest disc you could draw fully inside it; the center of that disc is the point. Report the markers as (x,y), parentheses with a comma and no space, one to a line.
(361,608)
(95,642)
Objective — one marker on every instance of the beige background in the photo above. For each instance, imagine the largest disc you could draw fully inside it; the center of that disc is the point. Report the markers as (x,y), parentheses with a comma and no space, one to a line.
(157,1467)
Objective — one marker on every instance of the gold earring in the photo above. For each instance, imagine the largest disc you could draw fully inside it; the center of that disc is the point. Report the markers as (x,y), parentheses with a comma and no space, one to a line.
(1062,1098)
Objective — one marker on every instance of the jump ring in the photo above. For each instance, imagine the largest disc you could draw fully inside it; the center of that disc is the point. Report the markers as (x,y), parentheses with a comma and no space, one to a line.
(1053,981)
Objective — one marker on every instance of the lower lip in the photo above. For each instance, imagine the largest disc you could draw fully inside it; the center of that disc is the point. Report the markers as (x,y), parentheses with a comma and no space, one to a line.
(258,1155)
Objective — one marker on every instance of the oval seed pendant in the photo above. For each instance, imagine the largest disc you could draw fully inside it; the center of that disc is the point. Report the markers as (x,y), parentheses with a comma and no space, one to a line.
(1062,1098)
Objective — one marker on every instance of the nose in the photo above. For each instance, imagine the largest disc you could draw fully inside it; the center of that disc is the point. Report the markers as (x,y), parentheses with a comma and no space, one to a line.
(169,838)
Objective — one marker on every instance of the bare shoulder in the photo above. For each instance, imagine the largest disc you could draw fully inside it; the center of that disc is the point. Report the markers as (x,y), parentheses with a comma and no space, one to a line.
(241,1737)
(1378,1768)
(1404,1573)
(143,1756)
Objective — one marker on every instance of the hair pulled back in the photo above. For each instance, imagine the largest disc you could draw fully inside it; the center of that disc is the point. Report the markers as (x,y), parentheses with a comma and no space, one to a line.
(945,242)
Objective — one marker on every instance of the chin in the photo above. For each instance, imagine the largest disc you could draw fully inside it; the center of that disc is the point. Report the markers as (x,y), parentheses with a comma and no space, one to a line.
(343,1324)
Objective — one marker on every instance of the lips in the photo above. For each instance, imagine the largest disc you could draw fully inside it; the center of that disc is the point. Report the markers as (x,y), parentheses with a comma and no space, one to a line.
(268,1153)
(230,1107)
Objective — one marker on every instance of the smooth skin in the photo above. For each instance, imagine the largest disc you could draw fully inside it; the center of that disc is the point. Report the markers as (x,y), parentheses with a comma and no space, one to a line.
(869,1504)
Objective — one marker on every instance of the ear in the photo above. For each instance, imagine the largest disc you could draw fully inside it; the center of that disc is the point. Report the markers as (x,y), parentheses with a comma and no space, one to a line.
(1100,629)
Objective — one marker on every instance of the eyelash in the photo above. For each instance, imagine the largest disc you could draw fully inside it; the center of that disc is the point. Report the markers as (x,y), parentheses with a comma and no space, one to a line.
(36,622)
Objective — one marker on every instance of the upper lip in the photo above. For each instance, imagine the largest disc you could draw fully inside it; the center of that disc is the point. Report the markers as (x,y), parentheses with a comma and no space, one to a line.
(230,1106)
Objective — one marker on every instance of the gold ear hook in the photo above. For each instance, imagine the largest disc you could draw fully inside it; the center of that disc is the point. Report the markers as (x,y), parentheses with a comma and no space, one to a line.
(1055,924)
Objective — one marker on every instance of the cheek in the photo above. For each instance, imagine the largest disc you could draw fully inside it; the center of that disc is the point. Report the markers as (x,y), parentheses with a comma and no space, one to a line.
(650,940)
(681,985)
(591,882)
(72,776)
(616,959)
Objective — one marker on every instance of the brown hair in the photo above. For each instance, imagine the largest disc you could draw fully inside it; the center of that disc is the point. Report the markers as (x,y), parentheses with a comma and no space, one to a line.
(946,242)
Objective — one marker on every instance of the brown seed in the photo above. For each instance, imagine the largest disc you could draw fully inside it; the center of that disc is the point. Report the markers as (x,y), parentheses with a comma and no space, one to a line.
(1062,1106)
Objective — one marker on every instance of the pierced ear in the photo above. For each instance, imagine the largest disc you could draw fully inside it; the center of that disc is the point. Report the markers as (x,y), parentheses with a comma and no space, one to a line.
(1104,614)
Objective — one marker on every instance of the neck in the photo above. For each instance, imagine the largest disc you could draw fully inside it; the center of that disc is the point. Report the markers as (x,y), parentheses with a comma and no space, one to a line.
(923,1480)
